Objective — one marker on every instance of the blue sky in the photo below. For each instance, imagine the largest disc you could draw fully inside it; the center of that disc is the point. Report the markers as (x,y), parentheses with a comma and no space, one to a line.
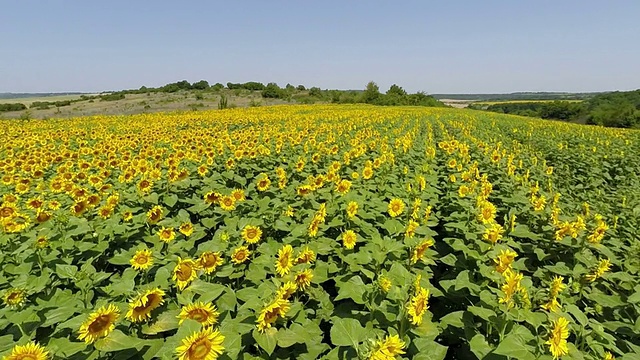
(435,46)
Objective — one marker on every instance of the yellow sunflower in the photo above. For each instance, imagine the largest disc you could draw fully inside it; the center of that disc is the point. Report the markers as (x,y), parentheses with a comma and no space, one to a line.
(349,238)
(240,255)
(209,261)
(558,339)
(155,214)
(184,272)
(352,209)
(303,278)
(186,228)
(205,344)
(14,297)
(228,203)
(388,348)
(263,182)
(166,234)
(142,259)
(306,256)
(204,313)
(418,306)
(99,323)
(284,263)
(29,351)
(270,313)
(396,207)
(251,234)
(286,290)
(143,304)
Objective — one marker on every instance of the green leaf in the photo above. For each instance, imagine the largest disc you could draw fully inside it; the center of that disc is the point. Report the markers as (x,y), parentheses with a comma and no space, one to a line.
(352,289)
(166,321)
(66,271)
(170,200)
(65,348)
(429,350)
(479,346)
(267,340)
(117,341)
(393,226)
(514,346)
(347,332)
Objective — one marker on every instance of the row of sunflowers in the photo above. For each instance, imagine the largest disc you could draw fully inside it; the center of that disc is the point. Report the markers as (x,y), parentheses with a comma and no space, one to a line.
(307,232)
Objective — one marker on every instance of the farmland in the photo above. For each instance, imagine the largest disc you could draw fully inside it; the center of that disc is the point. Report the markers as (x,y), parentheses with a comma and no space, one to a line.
(319,231)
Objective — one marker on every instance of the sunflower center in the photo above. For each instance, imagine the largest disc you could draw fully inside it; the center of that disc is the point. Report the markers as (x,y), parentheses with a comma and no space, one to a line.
(99,324)
(184,272)
(241,255)
(199,349)
(199,315)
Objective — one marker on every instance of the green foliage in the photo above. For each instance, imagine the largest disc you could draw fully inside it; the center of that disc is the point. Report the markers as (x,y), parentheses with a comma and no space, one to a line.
(112,97)
(223,102)
(273,91)
(12,107)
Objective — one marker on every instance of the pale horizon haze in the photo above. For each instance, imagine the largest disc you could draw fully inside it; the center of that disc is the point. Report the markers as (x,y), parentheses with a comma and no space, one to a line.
(436,47)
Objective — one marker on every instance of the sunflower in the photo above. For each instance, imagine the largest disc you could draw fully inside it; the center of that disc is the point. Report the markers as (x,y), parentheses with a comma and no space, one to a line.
(504,260)
(205,344)
(604,265)
(79,208)
(143,304)
(43,216)
(306,256)
(412,226)
(303,278)
(352,209)
(487,212)
(493,233)
(418,305)
(238,195)
(29,351)
(142,259)
(184,272)
(186,228)
(155,214)
(284,263)
(166,234)
(388,348)
(510,287)
(418,252)
(14,297)
(367,173)
(99,323)
(263,182)
(396,207)
(35,203)
(270,313)
(251,234)
(349,238)
(228,203)
(558,339)
(204,313)
(41,242)
(209,261)
(240,255)
(343,186)
(212,197)
(127,216)
(286,290)
(384,283)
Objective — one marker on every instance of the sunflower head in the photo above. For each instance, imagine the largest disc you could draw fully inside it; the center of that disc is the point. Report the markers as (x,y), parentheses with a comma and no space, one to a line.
(14,297)
(205,344)
(29,351)
(251,234)
(142,259)
(240,255)
(141,306)
(204,313)
(395,207)
(99,323)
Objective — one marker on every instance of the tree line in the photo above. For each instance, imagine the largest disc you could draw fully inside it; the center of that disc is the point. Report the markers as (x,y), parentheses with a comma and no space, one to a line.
(615,109)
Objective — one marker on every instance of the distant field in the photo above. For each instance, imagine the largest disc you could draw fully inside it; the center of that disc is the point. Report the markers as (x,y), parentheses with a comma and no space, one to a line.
(521,101)
(30,100)
(138,103)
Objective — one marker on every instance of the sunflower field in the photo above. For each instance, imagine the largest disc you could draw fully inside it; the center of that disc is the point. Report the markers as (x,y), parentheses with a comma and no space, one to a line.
(318,232)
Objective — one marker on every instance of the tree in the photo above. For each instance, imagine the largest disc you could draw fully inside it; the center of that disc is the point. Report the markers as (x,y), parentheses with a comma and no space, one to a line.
(200,85)
(272,90)
(396,90)
(301,88)
(315,91)
(371,93)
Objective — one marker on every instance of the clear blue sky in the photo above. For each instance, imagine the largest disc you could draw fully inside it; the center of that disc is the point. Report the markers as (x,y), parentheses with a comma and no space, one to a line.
(435,46)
